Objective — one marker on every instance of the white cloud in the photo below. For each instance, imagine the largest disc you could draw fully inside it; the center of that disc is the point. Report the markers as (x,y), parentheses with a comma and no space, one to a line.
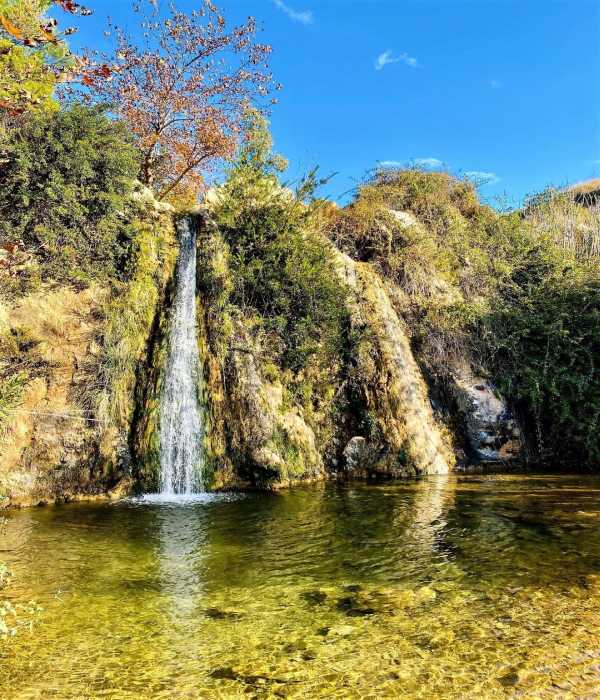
(302,16)
(387,57)
(426,163)
(431,163)
(482,178)
(479,177)
(495,84)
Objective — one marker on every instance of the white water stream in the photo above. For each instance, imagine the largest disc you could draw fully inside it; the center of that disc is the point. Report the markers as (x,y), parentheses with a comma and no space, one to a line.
(181,428)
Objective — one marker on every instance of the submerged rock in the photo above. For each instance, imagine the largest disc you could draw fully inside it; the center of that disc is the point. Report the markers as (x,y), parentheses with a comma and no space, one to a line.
(314,597)
(355,606)
(223,614)
(341,631)
(229,674)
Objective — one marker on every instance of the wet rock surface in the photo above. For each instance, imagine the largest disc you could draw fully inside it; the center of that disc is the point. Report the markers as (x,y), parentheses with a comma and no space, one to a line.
(273,442)
(492,431)
(405,437)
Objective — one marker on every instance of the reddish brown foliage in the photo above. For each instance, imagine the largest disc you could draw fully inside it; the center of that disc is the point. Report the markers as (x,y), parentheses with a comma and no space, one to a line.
(182,90)
(43,34)
(73,7)
(14,31)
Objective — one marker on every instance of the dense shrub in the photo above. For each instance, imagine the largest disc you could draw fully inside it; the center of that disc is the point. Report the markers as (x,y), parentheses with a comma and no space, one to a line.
(63,191)
(281,271)
(543,343)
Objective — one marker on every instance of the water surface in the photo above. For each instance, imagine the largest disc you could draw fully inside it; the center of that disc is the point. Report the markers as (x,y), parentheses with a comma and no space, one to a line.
(450,587)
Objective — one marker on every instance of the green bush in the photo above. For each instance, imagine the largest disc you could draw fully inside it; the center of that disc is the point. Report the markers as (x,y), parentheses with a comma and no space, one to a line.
(281,271)
(543,343)
(64,183)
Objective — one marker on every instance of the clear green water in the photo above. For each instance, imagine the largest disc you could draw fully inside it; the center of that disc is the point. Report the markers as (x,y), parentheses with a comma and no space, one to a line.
(454,587)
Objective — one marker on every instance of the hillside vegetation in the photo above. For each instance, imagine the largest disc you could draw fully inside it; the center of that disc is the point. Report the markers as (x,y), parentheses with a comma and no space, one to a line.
(332,339)
(516,293)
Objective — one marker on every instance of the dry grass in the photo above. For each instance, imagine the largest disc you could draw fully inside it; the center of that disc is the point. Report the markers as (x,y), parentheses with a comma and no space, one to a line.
(587,187)
(570,224)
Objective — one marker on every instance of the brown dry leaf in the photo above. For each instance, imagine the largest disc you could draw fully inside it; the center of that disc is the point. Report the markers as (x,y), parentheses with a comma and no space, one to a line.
(12,29)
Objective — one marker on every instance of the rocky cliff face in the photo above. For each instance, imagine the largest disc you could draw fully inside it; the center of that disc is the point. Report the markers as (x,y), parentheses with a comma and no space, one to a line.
(79,362)
(254,436)
(379,421)
(492,432)
(375,419)
(405,438)
(49,448)
(481,423)
(267,440)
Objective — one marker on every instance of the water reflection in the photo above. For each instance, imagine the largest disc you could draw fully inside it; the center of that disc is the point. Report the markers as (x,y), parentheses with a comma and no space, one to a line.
(414,589)
(433,498)
(181,543)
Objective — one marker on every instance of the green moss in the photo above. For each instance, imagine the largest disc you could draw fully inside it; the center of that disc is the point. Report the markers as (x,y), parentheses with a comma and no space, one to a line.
(132,359)
(293,457)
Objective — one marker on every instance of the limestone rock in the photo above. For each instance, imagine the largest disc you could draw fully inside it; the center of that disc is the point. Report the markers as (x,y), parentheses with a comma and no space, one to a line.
(49,449)
(407,439)
(273,442)
(358,454)
(144,196)
(405,218)
(491,429)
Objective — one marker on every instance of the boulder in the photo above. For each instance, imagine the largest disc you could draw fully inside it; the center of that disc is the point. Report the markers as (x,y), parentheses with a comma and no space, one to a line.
(491,429)
(358,454)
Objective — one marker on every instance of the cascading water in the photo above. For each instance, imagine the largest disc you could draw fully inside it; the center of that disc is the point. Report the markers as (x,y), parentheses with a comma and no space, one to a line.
(181,429)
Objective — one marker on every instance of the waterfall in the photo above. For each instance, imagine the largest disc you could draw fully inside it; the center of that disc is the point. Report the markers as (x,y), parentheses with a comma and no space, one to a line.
(181,429)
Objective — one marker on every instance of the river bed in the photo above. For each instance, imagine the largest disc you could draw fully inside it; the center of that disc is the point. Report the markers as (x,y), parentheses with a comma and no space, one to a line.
(449,587)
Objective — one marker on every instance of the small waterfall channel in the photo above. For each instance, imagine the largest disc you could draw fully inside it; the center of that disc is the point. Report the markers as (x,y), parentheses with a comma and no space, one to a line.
(181,425)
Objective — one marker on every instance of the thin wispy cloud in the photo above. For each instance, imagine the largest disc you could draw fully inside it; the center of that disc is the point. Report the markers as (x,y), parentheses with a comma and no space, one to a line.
(478,177)
(495,84)
(482,178)
(302,16)
(430,163)
(425,163)
(387,57)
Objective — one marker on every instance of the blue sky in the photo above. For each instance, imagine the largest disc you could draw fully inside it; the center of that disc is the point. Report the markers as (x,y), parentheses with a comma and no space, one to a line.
(505,87)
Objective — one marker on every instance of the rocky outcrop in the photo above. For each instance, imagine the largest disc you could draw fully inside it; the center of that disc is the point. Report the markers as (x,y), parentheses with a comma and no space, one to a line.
(49,448)
(404,437)
(267,441)
(79,359)
(492,432)
(480,418)
(255,435)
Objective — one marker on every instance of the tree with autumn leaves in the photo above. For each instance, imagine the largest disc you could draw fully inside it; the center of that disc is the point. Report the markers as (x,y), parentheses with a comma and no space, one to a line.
(34,55)
(182,87)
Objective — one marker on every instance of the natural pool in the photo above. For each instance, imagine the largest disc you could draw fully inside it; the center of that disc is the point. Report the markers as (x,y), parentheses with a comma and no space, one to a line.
(450,587)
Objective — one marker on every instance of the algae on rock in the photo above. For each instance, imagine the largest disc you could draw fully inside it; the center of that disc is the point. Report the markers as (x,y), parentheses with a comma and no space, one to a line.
(80,353)
(405,438)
